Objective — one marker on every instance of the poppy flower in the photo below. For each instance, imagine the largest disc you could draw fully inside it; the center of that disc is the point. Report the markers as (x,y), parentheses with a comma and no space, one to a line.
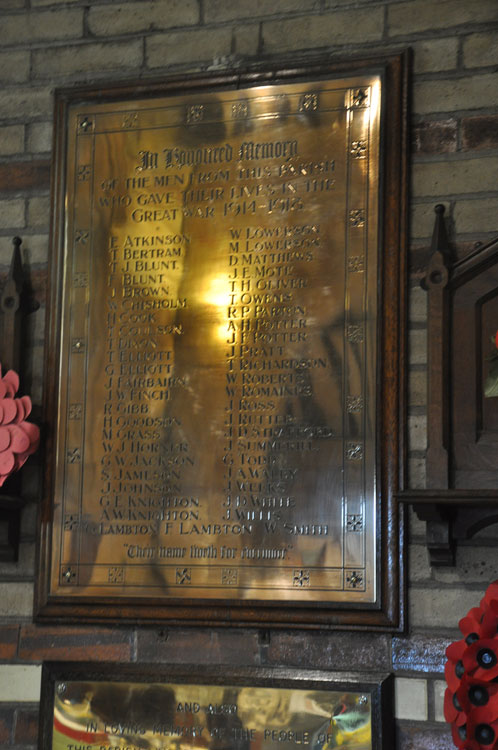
(18,437)
(480,659)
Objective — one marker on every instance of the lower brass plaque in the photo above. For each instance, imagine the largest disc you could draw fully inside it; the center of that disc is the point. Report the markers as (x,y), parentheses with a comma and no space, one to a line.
(135,710)
(217,385)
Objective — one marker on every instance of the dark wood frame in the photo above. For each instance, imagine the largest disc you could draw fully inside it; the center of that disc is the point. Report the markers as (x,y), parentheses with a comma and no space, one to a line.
(388,614)
(379,686)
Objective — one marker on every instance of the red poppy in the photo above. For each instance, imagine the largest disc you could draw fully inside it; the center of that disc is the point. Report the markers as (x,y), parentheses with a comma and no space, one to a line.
(496,339)
(480,659)
(453,712)
(18,437)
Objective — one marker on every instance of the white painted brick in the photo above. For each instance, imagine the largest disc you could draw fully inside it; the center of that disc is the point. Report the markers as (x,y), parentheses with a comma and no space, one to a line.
(339,27)
(221,10)
(14,67)
(11,140)
(188,46)
(111,20)
(471,92)
(16,600)
(35,248)
(439,691)
(417,433)
(421,15)
(441,608)
(39,137)
(416,481)
(419,568)
(417,388)
(422,219)
(474,565)
(25,565)
(451,177)
(432,55)
(417,304)
(417,346)
(246,39)
(40,26)
(12,213)
(410,698)
(87,58)
(39,212)
(17,102)
(480,50)
(20,683)
(475,216)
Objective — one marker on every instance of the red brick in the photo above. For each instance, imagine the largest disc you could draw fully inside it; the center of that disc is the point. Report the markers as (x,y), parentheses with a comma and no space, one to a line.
(26,731)
(30,175)
(78,644)
(480,132)
(202,647)
(438,137)
(6,723)
(9,635)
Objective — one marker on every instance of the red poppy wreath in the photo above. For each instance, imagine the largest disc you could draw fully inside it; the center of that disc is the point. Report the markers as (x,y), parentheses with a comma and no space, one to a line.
(471,698)
(18,438)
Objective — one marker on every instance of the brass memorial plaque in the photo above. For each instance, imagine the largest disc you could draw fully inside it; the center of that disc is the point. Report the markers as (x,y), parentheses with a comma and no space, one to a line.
(160,712)
(217,376)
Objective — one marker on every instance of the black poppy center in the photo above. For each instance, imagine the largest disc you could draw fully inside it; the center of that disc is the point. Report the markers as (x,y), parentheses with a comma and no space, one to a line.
(459,669)
(486,658)
(456,702)
(462,732)
(478,695)
(471,638)
(484,733)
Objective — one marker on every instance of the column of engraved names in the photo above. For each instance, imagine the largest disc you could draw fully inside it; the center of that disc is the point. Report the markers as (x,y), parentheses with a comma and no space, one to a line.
(143,457)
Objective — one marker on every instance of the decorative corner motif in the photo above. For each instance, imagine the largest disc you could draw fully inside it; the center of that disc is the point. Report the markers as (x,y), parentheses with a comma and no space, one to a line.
(73,456)
(308,103)
(81,236)
(359,149)
(75,411)
(78,346)
(354,404)
(183,576)
(357,217)
(229,576)
(360,98)
(80,280)
(355,334)
(68,575)
(356,264)
(240,110)
(130,120)
(195,113)
(71,522)
(84,172)
(354,522)
(354,452)
(301,578)
(354,580)
(115,575)
(85,125)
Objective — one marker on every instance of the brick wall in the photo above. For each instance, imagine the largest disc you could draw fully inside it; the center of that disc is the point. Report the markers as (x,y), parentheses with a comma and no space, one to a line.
(49,43)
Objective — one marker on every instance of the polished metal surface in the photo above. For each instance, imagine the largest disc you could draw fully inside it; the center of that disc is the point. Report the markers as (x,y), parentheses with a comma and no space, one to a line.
(218,365)
(99,715)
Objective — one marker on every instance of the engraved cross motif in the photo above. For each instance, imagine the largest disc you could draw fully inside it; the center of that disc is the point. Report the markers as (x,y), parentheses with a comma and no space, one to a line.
(75,411)
(73,456)
(357,217)
(354,579)
(360,98)
(354,452)
(301,578)
(195,113)
(130,119)
(356,264)
(354,522)
(85,124)
(359,149)
(229,576)
(308,103)
(240,110)
(183,576)
(354,404)
(115,575)
(81,236)
(71,522)
(355,334)
(80,280)
(68,575)
(84,172)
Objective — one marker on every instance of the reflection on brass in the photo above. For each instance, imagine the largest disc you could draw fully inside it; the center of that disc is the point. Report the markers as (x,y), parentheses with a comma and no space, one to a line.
(218,347)
(138,716)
